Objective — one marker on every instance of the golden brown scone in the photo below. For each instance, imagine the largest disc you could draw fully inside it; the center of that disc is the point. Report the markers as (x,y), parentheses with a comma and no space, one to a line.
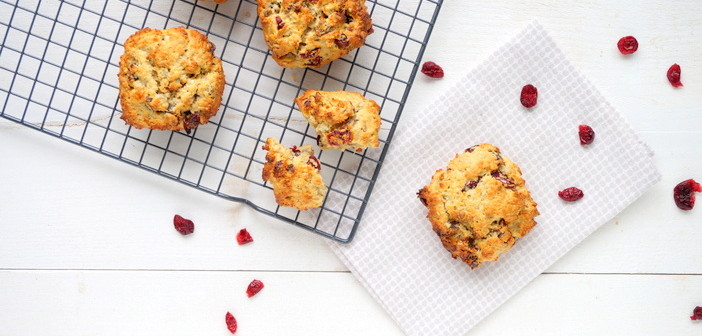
(311,33)
(169,79)
(342,119)
(294,175)
(479,205)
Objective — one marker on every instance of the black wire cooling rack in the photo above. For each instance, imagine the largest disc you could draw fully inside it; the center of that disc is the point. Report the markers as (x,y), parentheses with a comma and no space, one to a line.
(58,74)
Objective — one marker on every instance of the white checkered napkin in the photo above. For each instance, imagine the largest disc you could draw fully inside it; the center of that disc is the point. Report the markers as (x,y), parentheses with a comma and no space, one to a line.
(397,256)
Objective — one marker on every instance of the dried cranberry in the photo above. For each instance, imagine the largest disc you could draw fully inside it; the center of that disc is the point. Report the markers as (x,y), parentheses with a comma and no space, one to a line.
(587,135)
(342,42)
(254,287)
(571,194)
(674,75)
(315,61)
(422,199)
(231,322)
(500,176)
(184,226)
(529,96)
(243,237)
(295,150)
(279,22)
(432,70)
(472,184)
(314,162)
(696,314)
(471,149)
(684,194)
(310,53)
(191,122)
(627,45)
(338,138)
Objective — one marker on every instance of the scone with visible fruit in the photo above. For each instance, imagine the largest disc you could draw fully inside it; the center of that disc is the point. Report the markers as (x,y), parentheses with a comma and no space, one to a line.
(311,33)
(479,205)
(341,119)
(169,79)
(294,175)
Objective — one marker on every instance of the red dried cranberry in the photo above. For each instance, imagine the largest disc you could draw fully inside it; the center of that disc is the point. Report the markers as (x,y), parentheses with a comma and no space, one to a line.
(295,150)
(674,75)
(338,138)
(279,22)
(684,194)
(471,149)
(587,135)
(627,45)
(696,314)
(342,42)
(231,322)
(310,53)
(432,70)
(571,194)
(315,61)
(243,237)
(472,184)
(422,199)
(254,287)
(184,226)
(191,122)
(529,96)
(314,162)
(500,176)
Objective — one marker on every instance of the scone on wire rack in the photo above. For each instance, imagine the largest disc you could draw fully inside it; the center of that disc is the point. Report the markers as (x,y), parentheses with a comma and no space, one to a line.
(312,33)
(169,79)
(479,205)
(342,120)
(294,174)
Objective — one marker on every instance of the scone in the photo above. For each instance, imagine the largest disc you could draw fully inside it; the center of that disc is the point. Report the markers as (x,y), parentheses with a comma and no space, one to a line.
(169,79)
(311,33)
(341,119)
(294,175)
(479,205)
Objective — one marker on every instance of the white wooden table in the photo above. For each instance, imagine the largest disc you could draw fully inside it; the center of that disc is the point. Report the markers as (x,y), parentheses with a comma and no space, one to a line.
(87,244)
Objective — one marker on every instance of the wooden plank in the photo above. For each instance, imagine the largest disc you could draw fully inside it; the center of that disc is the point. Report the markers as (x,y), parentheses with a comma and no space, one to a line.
(320,303)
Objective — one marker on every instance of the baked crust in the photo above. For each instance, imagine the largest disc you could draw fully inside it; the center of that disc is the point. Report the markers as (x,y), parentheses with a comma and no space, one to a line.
(342,120)
(479,205)
(169,79)
(312,33)
(294,174)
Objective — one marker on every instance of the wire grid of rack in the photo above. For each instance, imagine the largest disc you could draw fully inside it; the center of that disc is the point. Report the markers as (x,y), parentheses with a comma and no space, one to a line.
(58,74)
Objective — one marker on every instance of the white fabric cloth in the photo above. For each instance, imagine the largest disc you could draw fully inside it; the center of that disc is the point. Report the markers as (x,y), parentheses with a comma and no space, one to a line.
(397,256)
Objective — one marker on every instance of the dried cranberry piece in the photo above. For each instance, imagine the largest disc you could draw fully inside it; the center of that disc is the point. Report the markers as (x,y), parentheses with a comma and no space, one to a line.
(422,199)
(243,237)
(587,135)
(315,61)
(500,176)
(684,194)
(254,287)
(338,138)
(529,96)
(627,45)
(295,150)
(184,226)
(432,70)
(310,53)
(674,75)
(696,314)
(342,42)
(191,122)
(314,162)
(471,149)
(571,194)
(279,22)
(472,184)
(231,322)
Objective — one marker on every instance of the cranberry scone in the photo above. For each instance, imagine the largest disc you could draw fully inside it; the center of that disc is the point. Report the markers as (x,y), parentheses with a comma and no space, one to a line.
(342,120)
(294,174)
(479,205)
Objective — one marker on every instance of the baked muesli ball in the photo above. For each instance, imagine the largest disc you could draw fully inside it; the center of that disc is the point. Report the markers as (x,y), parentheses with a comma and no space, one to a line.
(342,120)
(311,33)
(294,174)
(479,205)
(169,79)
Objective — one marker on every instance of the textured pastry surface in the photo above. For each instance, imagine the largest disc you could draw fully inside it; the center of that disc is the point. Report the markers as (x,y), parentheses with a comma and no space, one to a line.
(169,79)
(479,205)
(294,174)
(311,33)
(342,120)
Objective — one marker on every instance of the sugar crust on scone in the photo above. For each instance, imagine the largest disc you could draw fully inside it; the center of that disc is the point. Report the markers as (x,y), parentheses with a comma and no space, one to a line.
(169,79)
(479,205)
(294,174)
(312,33)
(342,120)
